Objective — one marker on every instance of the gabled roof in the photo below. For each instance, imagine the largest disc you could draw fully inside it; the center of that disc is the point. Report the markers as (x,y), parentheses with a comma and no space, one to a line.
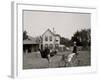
(51,33)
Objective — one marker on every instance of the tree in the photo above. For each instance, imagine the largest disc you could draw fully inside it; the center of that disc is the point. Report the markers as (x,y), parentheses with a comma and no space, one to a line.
(82,37)
(65,41)
(25,36)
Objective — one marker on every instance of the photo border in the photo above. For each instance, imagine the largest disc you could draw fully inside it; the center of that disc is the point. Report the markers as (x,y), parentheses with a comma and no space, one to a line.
(17,41)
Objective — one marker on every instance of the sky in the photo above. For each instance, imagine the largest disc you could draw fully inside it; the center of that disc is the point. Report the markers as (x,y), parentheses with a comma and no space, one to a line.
(65,24)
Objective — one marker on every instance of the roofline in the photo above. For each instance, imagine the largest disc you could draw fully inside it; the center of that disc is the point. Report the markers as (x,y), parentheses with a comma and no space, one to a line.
(47,30)
(57,35)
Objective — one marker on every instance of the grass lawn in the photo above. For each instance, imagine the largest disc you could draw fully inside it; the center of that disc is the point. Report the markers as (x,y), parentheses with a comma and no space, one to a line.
(34,61)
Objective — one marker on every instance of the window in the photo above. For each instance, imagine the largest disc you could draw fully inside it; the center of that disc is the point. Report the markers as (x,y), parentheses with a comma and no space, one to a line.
(50,38)
(56,40)
(46,45)
(56,46)
(51,46)
(46,38)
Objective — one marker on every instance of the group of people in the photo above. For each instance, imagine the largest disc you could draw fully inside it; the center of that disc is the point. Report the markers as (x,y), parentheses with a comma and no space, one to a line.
(46,53)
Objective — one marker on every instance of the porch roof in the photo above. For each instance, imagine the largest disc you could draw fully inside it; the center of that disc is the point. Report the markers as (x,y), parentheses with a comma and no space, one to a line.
(30,40)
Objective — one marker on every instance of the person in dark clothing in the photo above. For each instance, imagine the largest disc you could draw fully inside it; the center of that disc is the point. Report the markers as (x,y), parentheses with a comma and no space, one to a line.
(75,48)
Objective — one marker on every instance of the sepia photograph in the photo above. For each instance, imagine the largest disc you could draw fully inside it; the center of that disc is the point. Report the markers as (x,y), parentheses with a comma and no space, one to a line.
(54,39)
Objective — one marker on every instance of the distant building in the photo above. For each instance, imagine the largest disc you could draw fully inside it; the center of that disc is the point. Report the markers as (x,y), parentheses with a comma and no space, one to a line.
(30,45)
(50,39)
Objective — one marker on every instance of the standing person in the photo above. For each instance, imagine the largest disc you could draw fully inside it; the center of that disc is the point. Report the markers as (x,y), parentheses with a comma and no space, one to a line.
(75,48)
(71,56)
(76,59)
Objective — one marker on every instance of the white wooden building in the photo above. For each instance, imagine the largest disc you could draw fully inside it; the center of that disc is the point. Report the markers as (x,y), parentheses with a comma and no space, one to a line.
(50,39)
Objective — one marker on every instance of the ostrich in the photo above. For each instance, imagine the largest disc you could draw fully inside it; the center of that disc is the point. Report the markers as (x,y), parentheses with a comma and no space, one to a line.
(45,54)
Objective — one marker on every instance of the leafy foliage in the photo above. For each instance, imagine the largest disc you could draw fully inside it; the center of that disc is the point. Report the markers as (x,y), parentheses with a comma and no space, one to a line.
(82,37)
(65,41)
(25,36)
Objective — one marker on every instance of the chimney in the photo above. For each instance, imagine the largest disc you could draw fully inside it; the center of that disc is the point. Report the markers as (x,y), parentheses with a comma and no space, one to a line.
(54,31)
